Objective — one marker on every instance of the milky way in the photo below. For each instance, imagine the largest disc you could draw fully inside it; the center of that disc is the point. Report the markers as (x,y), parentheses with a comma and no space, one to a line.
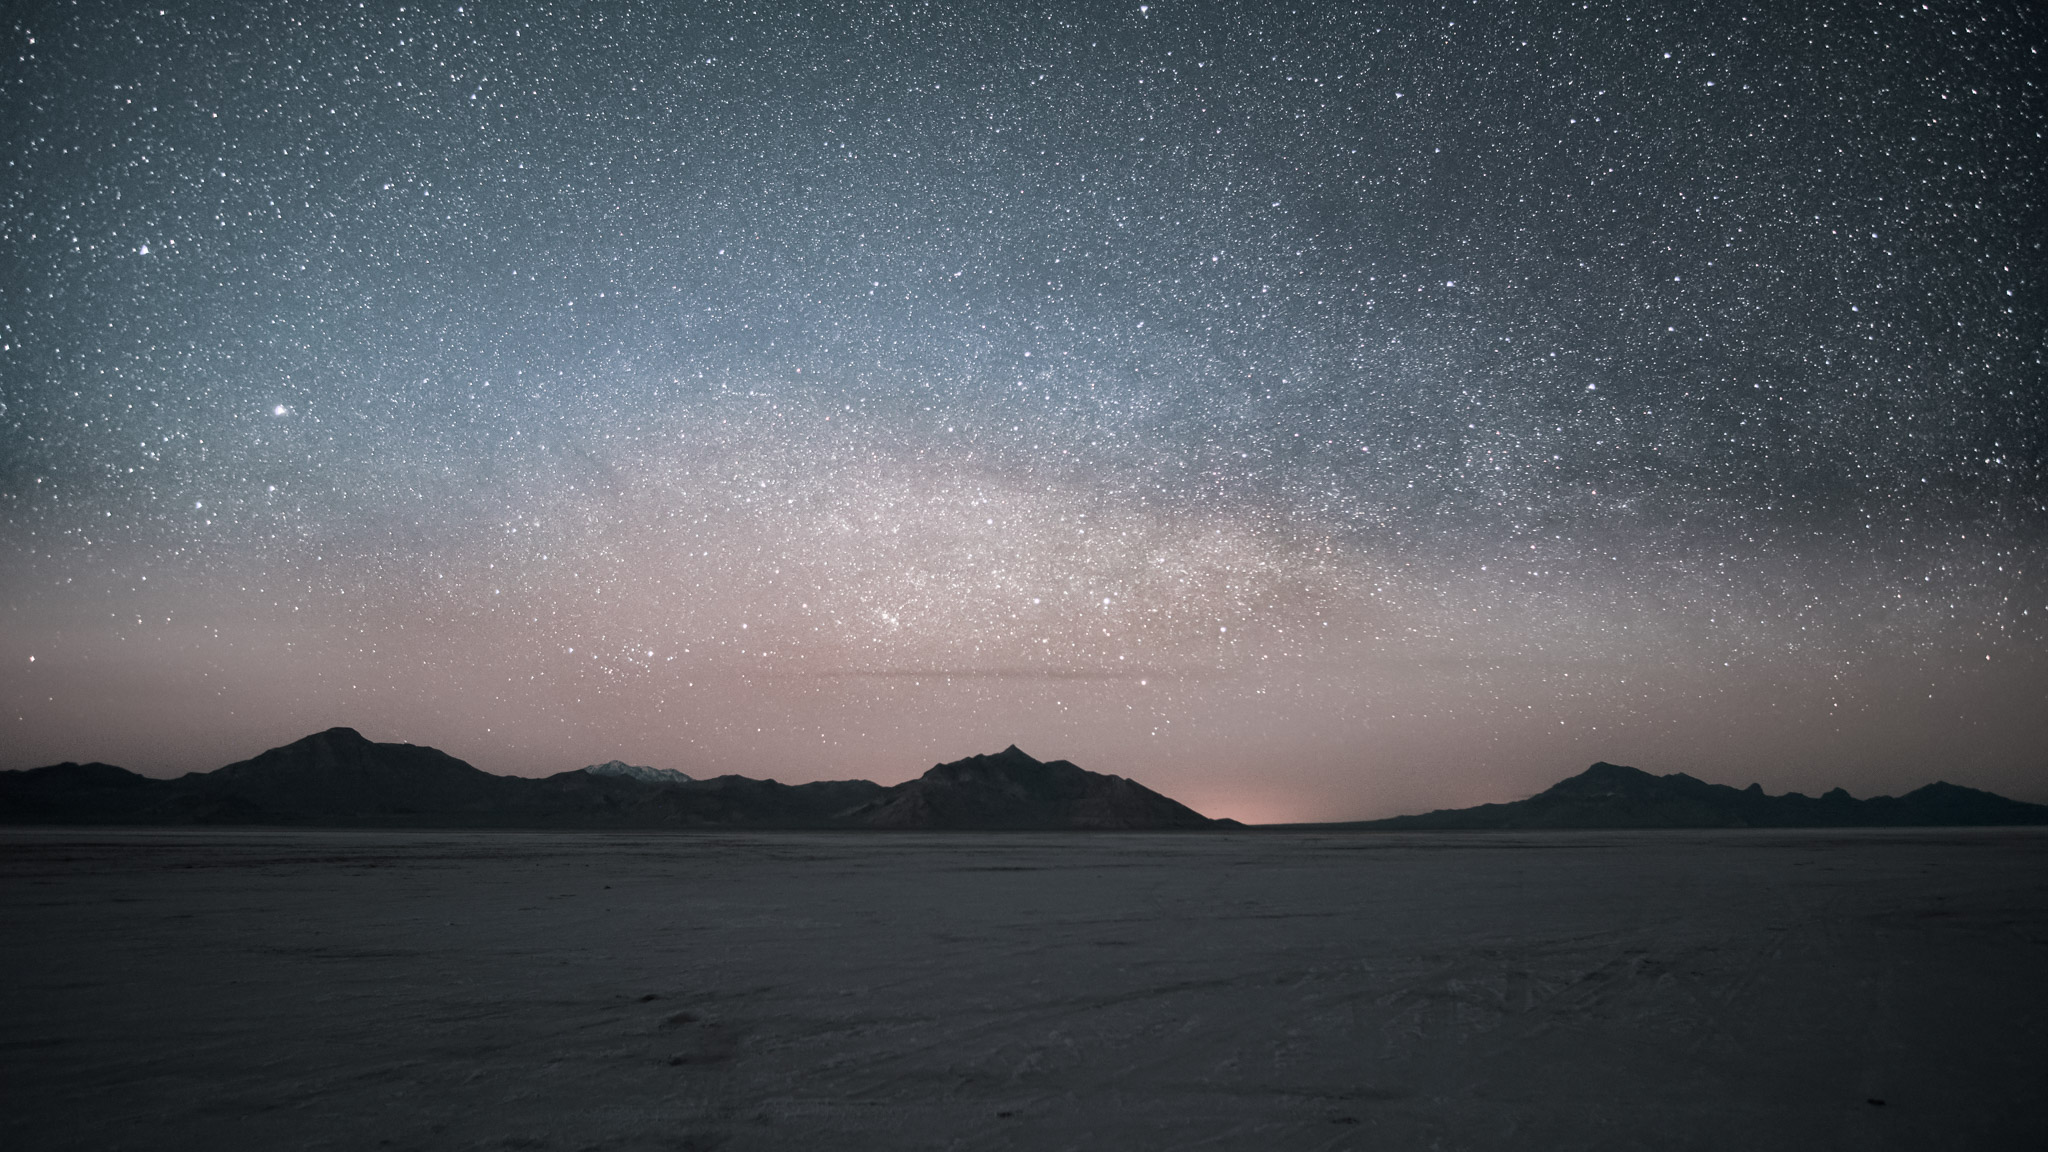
(1312,413)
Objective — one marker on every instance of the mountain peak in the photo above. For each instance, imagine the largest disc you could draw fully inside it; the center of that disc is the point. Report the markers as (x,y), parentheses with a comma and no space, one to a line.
(341,772)
(1011,789)
(1012,763)
(336,735)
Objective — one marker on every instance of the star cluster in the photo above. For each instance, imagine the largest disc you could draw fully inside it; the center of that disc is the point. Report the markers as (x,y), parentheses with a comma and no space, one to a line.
(1313,413)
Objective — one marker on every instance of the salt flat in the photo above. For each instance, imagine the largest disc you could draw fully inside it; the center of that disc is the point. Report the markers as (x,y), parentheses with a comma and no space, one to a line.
(359,990)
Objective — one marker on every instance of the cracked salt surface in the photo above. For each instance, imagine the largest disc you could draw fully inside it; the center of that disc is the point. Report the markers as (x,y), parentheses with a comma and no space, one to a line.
(353,990)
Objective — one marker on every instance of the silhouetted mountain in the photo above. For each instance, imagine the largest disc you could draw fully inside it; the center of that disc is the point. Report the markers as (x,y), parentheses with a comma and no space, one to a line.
(1010,790)
(602,800)
(339,778)
(337,775)
(71,793)
(1611,796)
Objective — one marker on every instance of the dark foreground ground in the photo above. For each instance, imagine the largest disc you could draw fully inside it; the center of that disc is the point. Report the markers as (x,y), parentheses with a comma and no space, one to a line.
(364,990)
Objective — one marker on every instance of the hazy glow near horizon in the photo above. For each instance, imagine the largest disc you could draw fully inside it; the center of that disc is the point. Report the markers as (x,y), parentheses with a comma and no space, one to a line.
(1312,415)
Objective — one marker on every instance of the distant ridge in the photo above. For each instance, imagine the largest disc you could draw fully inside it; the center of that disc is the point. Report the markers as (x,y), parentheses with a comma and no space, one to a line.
(1612,796)
(338,778)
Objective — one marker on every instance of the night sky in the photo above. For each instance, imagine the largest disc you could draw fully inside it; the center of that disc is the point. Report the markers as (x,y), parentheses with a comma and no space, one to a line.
(1314,413)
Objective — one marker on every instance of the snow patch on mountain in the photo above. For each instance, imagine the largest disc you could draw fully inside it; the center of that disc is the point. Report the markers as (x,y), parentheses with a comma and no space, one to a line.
(637,772)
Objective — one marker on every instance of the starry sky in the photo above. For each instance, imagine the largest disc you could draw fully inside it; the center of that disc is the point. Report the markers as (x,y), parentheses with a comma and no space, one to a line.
(1314,412)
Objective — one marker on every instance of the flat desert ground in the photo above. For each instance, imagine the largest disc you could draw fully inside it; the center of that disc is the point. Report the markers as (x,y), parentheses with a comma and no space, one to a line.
(262,988)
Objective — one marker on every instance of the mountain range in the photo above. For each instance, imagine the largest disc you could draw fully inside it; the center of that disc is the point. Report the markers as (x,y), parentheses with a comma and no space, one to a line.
(340,778)
(1612,796)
